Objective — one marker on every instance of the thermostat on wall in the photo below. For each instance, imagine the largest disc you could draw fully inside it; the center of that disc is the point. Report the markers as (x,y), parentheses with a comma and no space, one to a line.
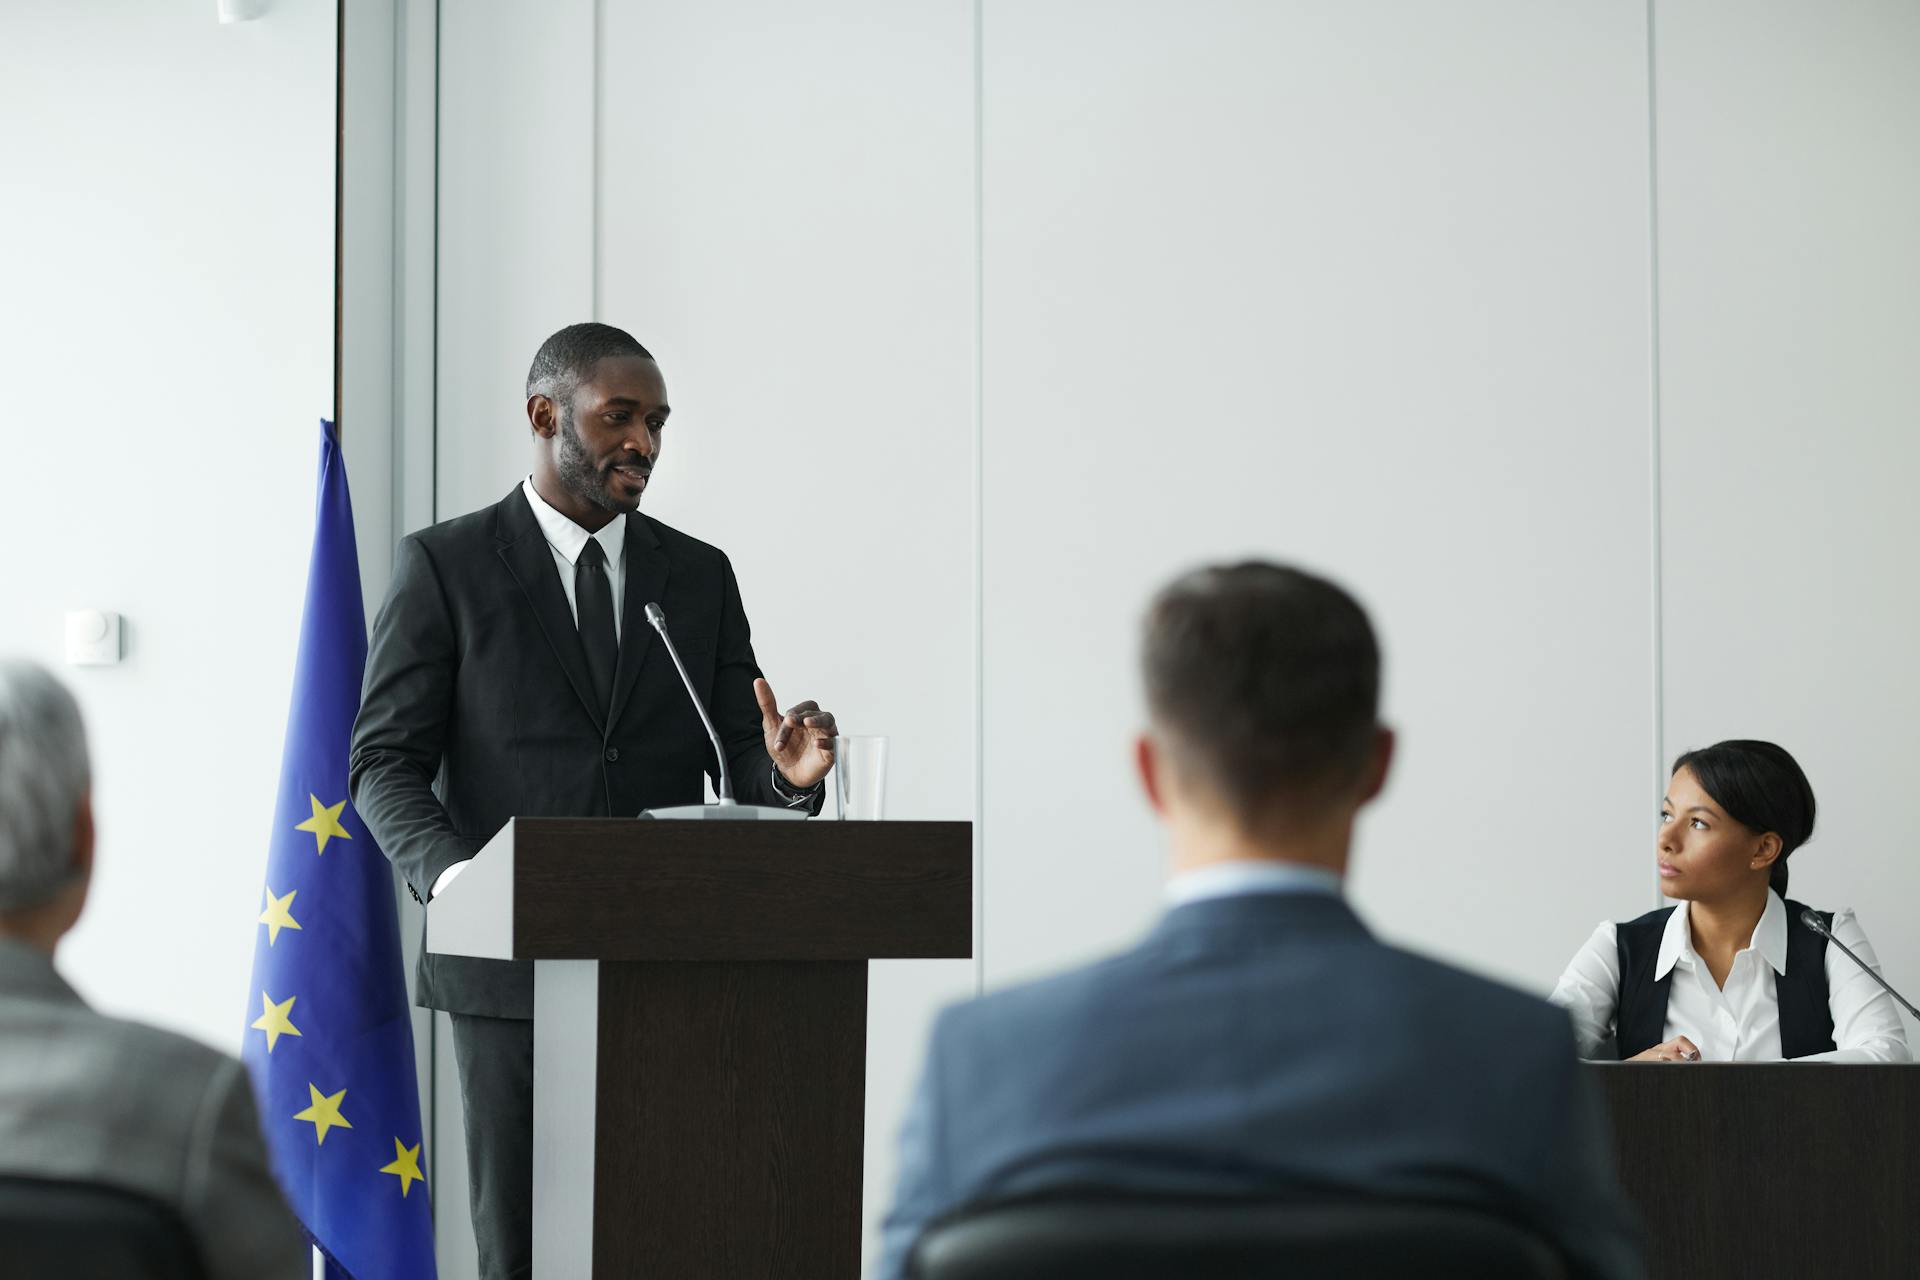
(93,638)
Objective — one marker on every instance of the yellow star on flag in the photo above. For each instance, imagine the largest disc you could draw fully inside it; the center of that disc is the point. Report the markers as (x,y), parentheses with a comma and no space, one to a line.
(273,1018)
(325,822)
(324,1114)
(278,915)
(406,1164)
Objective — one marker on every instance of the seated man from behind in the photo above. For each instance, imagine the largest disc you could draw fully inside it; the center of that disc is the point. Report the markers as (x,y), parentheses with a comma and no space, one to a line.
(1259,1040)
(92,1099)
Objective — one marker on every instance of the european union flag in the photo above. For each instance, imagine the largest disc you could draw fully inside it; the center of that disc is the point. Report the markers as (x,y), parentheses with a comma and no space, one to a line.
(330,1038)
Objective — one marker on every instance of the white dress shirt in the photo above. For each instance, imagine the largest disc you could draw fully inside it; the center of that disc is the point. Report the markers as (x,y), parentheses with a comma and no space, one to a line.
(1740,1022)
(566,540)
(1249,875)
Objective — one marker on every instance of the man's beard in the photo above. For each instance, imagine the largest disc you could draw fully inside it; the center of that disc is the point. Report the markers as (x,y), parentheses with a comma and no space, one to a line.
(576,470)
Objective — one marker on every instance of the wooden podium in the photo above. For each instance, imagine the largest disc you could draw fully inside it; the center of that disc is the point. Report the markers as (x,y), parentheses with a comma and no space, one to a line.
(700,1020)
(1768,1169)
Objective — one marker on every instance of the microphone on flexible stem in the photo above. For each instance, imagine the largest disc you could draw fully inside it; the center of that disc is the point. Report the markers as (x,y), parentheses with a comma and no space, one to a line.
(658,620)
(727,806)
(1811,918)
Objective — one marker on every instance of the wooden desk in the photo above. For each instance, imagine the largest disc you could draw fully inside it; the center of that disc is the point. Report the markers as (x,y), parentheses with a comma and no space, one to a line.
(1754,1170)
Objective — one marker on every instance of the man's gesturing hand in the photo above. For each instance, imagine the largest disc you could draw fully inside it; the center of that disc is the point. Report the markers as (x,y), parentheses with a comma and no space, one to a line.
(801,741)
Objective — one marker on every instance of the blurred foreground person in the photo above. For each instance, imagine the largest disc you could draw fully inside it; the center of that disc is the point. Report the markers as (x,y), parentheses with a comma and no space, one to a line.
(1260,1041)
(90,1099)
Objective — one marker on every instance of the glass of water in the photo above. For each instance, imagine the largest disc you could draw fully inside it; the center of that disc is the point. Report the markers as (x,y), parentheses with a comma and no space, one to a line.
(860,765)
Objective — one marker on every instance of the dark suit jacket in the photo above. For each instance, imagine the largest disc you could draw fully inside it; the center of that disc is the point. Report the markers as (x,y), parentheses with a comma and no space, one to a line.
(478,707)
(1264,1044)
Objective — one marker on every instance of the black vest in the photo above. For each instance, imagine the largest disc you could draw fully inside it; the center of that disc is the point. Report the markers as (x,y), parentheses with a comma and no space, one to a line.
(1806,1021)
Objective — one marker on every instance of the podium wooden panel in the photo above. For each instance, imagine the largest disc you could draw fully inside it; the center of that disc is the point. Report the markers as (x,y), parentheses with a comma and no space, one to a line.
(1758,1170)
(700,1026)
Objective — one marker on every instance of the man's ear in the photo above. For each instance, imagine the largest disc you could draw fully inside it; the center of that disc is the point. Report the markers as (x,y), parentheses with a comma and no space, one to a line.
(1150,764)
(543,416)
(83,835)
(1381,763)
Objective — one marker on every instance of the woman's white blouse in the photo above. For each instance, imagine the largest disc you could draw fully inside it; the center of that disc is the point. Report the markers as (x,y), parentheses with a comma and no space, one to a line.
(1740,1023)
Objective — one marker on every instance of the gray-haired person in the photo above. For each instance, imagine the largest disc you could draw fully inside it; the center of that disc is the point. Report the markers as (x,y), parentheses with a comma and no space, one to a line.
(92,1099)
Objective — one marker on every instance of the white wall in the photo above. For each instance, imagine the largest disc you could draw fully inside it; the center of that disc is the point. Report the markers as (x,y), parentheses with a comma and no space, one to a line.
(166,260)
(1790,324)
(1362,287)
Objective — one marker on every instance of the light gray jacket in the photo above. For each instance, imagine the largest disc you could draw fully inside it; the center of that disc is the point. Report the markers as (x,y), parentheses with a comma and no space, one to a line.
(88,1098)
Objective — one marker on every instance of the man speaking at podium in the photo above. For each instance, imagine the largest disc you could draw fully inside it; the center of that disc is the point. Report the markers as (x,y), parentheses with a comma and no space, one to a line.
(512,672)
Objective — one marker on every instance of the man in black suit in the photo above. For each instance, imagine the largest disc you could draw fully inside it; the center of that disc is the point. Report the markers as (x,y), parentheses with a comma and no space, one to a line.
(512,672)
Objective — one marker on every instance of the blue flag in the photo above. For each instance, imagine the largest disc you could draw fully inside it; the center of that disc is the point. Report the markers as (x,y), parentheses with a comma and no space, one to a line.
(329,1034)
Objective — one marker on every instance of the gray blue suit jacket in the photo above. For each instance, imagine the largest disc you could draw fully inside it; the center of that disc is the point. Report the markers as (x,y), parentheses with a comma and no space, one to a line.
(88,1098)
(1264,1044)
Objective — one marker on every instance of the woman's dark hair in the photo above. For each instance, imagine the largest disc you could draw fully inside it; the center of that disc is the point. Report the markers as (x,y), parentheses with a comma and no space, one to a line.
(1762,788)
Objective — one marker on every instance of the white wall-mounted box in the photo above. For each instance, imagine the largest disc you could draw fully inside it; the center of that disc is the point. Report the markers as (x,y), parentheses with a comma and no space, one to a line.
(93,638)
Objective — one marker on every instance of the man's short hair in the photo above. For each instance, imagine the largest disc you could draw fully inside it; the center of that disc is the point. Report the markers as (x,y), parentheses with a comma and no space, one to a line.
(43,774)
(1264,681)
(565,359)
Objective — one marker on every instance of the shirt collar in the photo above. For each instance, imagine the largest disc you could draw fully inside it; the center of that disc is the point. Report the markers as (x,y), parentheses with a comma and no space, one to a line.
(568,538)
(1248,875)
(1769,938)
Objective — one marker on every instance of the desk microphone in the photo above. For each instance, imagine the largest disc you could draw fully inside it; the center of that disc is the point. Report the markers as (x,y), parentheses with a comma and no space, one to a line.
(1811,918)
(658,619)
(727,807)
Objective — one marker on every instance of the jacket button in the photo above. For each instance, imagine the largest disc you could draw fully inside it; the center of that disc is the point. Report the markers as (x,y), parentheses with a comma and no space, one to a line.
(613,754)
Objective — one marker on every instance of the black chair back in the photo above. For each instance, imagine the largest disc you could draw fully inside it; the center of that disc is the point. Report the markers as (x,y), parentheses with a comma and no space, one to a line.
(84,1231)
(1131,1238)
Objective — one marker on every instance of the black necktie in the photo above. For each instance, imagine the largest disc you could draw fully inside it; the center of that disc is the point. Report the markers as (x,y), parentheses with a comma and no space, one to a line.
(593,600)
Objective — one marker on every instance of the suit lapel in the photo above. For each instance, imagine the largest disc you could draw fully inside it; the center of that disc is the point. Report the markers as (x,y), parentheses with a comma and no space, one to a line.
(524,550)
(646,574)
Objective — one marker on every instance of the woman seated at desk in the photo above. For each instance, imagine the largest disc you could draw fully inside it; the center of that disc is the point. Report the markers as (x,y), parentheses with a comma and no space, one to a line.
(1731,974)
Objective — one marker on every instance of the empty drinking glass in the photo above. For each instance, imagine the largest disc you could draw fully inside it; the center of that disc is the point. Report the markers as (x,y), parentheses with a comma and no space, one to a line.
(860,767)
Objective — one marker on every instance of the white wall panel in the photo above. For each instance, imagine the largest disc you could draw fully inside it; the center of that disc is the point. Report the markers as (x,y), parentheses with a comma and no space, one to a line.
(166,260)
(1360,286)
(1790,322)
(515,222)
(786,222)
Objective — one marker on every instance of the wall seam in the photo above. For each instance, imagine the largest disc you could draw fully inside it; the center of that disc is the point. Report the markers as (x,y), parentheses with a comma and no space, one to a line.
(396,285)
(1656,532)
(598,143)
(979,509)
(433,517)
(339,201)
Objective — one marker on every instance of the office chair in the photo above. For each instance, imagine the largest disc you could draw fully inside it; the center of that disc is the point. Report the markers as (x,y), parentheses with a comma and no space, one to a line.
(1106,1237)
(85,1231)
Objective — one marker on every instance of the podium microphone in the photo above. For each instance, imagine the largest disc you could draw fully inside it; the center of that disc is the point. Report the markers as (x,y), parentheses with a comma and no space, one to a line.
(658,620)
(727,806)
(1811,918)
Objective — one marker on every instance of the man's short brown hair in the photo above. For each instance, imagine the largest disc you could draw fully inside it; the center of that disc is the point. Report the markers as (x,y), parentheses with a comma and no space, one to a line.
(1265,681)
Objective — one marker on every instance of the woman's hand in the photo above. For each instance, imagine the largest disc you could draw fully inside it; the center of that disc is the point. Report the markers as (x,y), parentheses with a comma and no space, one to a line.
(1678,1049)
